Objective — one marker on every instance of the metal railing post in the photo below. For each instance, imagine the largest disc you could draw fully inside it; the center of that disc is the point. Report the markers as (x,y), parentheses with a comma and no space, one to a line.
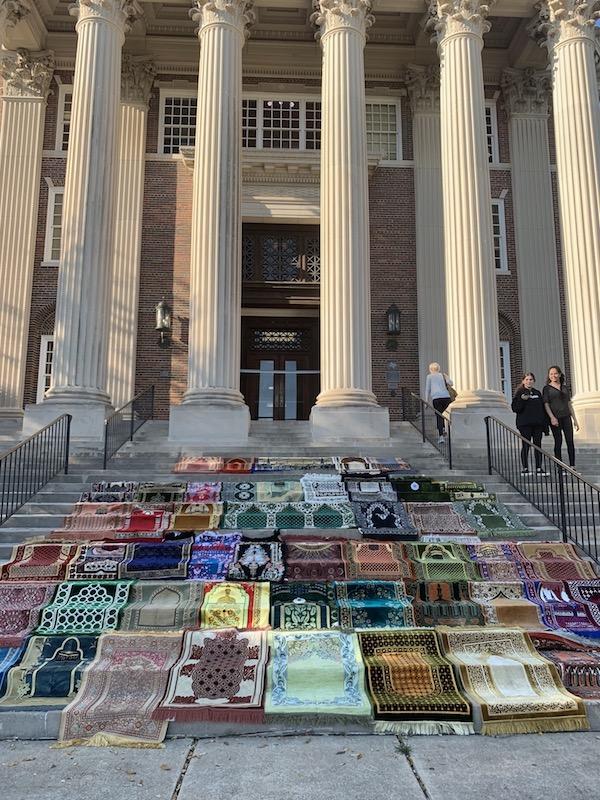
(423,420)
(132,421)
(489,444)
(449,440)
(105,459)
(67,442)
(403,395)
(562,505)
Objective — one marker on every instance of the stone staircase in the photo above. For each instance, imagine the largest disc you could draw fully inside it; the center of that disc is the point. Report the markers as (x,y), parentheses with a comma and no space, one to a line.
(150,457)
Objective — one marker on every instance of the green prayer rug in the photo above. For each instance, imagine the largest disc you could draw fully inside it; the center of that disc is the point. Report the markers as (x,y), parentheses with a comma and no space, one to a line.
(373,604)
(303,606)
(84,607)
(491,518)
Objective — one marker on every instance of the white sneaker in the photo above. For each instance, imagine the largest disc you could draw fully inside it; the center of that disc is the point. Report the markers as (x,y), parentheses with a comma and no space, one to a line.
(542,472)
(441,439)
(524,472)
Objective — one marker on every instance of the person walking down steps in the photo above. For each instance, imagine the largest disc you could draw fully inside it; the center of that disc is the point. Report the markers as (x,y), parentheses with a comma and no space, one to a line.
(557,399)
(439,392)
(532,421)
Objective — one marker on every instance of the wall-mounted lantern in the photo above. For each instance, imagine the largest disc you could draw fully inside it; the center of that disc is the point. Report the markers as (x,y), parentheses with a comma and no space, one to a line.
(163,322)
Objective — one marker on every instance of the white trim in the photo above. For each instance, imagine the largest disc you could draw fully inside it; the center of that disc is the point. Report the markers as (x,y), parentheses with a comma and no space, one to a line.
(41,381)
(491,105)
(63,90)
(498,202)
(53,191)
(504,356)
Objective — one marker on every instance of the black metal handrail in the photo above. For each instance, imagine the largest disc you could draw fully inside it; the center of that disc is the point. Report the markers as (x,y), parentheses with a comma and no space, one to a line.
(570,502)
(32,463)
(121,426)
(424,417)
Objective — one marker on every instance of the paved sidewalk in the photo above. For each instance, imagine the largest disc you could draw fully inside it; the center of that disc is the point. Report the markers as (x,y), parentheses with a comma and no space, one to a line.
(551,766)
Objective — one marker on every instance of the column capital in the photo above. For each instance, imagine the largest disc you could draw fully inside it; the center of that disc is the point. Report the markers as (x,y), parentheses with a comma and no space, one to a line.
(423,86)
(526,91)
(237,14)
(123,13)
(13,11)
(449,18)
(335,15)
(560,21)
(26,74)
(137,78)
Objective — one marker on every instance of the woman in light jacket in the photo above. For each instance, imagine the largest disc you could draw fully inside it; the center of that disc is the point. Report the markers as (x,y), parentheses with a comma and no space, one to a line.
(436,393)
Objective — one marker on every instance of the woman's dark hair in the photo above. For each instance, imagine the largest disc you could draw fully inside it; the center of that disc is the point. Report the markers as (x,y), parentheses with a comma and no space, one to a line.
(561,375)
(525,375)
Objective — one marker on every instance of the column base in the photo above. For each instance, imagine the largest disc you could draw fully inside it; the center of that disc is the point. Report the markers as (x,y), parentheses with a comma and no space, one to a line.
(468,430)
(11,421)
(332,423)
(87,424)
(211,425)
(587,411)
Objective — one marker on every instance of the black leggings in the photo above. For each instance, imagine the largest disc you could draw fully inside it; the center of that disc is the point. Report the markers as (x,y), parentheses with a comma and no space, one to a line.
(531,433)
(440,405)
(565,426)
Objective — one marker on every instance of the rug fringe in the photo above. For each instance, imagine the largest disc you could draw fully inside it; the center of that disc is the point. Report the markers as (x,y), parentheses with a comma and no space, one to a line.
(548,725)
(107,740)
(318,720)
(252,716)
(424,728)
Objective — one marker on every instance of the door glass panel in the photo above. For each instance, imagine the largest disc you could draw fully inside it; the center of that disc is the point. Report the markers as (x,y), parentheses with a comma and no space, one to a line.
(266,384)
(291,390)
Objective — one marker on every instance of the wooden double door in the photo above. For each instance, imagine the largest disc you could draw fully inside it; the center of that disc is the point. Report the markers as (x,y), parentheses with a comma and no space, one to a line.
(280,366)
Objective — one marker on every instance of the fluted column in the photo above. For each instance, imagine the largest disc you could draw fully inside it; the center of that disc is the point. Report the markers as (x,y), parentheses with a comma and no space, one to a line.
(213,408)
(526,95)
(82,308)
(137,78)
(567,29)
(423,84)
(346,404)
(26,77)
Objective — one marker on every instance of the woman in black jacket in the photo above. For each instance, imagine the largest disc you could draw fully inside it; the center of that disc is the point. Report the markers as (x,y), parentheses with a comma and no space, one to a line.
(528,405)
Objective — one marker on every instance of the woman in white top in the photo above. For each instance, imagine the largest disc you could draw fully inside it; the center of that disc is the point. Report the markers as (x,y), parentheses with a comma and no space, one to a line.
(436,393)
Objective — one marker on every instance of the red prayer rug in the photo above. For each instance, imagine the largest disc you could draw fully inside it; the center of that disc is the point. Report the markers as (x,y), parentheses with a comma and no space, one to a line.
(39,562)
(20,607)
(198,464)
(220,676)
(578,664)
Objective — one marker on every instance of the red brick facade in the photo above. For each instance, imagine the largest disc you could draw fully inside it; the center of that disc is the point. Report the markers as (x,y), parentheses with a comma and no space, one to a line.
(166,253)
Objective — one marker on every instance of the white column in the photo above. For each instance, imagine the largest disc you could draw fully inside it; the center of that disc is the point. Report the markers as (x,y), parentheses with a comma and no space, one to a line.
(82,310)
(471,305)
(137,77)
(346,405)
(213,408)
(26,82)
(526,95)
(423,84)
(567,29)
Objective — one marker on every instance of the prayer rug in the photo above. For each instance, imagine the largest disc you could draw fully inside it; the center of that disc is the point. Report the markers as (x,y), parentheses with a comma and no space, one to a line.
(20,608)
(323,488)
(97,562)
(557,561)
(355,465)
(240,465)
(120,691)
(373,604)
(314,560)
(39,562)
(438,518)
(160,606)
(219,676)
(257,561)
(456,538)
(490,517)
(370,491)
(235,605)
(9,656)
(380,517)
(394,466)
(420,490)
(411,684)
(303,606)
(578,664)
(505,604)
(198,464)
(440,562)
(291,464)
(465,490)
(506,571)
(494,551)
(203,492)
(84,607)
(156,560)
(558,611)
(160,492)
(288,515)
(443,603)
(140,521)
(50,671)
(110,492)
(375,561)
(587,592)
(211,555)
(516,689)
(263,492)
(197,516)
(316,674)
